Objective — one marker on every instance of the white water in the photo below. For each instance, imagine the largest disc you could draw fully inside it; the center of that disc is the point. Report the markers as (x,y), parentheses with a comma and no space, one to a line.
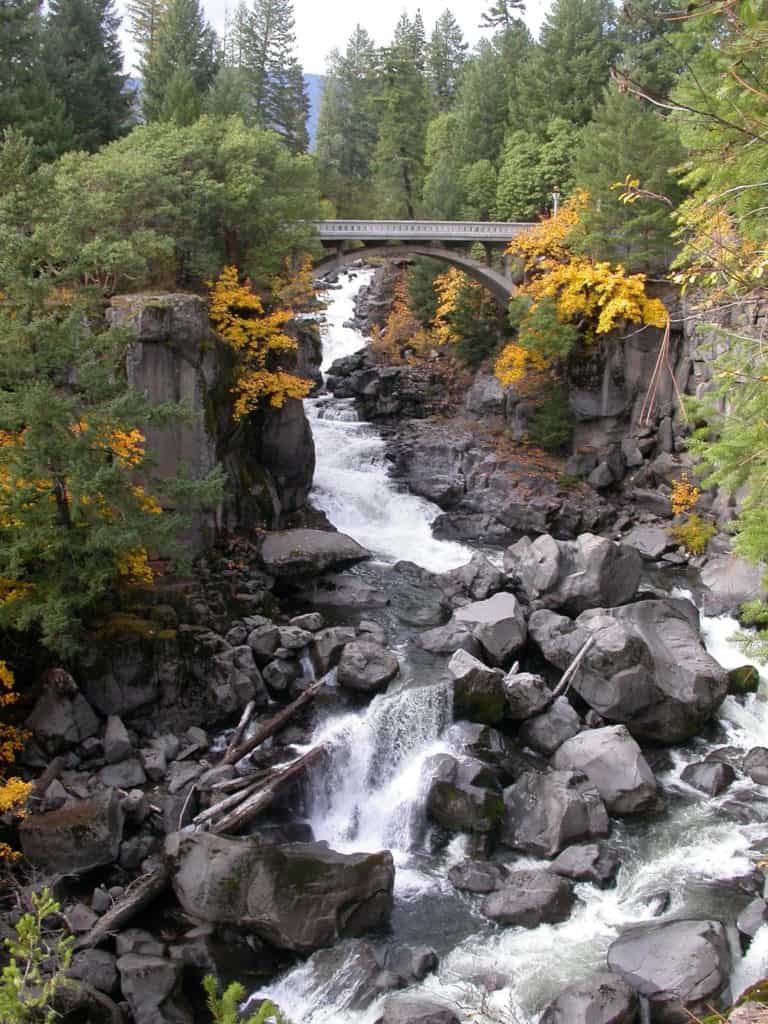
(352,485)
(374,794)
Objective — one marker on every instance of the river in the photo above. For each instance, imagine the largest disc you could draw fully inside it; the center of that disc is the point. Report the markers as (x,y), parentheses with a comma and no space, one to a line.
(373,797)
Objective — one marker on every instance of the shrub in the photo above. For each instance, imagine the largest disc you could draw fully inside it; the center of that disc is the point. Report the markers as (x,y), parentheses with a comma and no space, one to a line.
(694,533)
(551,423)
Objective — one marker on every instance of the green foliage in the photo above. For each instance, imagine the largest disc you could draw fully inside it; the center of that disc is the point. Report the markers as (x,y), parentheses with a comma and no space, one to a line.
(565,74)
(180,65)
(446,56)
(28,983)
(474,321)
(422,298)
(694,533)
(532,167)
(225,1007)
(540,331)
(479,183)
(627,136)
(171,204)
(501,13)
(550,425)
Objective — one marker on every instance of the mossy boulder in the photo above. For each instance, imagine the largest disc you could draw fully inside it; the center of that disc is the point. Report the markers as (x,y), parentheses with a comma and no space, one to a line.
(744,679)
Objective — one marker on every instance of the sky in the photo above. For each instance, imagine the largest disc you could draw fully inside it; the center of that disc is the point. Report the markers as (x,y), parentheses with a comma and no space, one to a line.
(322,25)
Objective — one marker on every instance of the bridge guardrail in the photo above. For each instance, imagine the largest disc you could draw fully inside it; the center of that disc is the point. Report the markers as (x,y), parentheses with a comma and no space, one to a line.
(395,230)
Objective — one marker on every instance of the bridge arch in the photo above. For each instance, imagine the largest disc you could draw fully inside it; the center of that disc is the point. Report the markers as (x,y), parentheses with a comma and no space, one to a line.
(499,285)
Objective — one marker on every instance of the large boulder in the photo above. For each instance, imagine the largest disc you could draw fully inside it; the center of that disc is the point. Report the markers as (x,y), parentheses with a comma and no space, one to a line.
(530,898)
(647,667)
(602,998)
(355,977)
(614,764)
(309,552)
(410,1010)
(573,575)
(453,636)
(544,733)
(674,964)
(588,862)
(476,581)
(78,837)
(62,717)
(478,691)
(728,582)
(498,623)
(151,986)
(544,813)
(300,896)
(527,695)
(465,796)
(366,667)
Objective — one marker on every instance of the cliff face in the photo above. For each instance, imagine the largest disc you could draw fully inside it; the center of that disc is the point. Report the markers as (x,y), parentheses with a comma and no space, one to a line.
(268,458)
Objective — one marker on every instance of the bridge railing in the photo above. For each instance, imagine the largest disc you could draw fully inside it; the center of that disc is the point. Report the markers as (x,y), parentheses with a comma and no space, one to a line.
(433,230)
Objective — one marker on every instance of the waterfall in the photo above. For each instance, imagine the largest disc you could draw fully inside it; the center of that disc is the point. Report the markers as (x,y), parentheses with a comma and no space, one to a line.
(374,792)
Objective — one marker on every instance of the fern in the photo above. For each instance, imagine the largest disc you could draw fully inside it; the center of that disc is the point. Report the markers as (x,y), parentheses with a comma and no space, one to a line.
(225,1008)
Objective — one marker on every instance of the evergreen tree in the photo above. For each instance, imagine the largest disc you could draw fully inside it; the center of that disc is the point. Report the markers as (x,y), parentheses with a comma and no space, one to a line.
(443,195)
(533,166)
(479,183)
(84,67)
(628,138)
(566,73)
(181,62)
(264,43)
(227,95)
(145,17)
(403,107)
(446,55)
(502,14)
(346,131)
(27,99)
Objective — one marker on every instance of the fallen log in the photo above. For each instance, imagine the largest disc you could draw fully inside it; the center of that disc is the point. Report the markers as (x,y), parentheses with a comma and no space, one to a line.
(265,795)
(272,726)
(570,672)
(139,894)
(223,805)
(43,782)
(237,735)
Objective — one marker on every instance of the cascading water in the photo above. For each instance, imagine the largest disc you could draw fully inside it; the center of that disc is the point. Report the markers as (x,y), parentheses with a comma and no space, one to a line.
(373,795)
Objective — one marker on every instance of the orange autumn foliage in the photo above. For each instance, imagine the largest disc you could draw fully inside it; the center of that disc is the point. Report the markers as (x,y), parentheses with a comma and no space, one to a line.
(13,790)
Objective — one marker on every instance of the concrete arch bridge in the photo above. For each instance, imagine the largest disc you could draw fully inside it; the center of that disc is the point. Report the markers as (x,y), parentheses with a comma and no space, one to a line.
(400,239)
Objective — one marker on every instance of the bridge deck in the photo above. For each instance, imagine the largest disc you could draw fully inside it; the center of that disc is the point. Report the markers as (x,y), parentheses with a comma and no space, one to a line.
(421,230)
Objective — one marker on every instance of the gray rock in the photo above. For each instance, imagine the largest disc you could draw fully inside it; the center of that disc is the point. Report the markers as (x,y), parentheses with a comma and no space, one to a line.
(588,862)
(278,675)
(117,742)
(84,834)
(673,964)
(124,775)
(135,806)
(478,691)
(327,646)
(647,668)
(101,901)
(486,396)
(79,1001)
(614,764)
(313,622)
(62,717)
(295,639)
(602,998)
(529,899)
(372,631)
(527,695)
(97,968)
(155,765)
(465,796)
(181,773)
(498,623)
(710,777)
(602,476)
(309,552)
(80,919)
(453,636)
(409,1010)
(137,940)
(546,732)
(755,764)
(264,641)
(752,918)
(544,813)
(478,876)
(366,666)
(152,988)
(355,976)
(412,962)
(651,541)
(478,580)
(300,896)
(730,581)
(589,572)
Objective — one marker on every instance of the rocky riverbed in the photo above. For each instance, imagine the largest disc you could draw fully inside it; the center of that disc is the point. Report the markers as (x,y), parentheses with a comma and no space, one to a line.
(380,776)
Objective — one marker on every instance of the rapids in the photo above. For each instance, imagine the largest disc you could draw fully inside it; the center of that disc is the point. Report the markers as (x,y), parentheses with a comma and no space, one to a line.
(373,797)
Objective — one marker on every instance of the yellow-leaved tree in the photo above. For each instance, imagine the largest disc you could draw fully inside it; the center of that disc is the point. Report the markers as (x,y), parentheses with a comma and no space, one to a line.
(238,315)
(13,790)
(402,331)
(567,299)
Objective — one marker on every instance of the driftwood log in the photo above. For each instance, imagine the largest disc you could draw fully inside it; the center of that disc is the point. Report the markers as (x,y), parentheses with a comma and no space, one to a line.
(139,894)
(271,727)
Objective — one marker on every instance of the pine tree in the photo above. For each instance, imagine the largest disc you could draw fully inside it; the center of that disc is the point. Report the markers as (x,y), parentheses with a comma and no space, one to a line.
(443,194)
(84,67)
(532,167)
(446,55)
(181,58)
(501,14)
(264,43)
(403,105)
(227,95)
(625,138)
(27,99)
(567,71)
(347,131)
(145,17)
